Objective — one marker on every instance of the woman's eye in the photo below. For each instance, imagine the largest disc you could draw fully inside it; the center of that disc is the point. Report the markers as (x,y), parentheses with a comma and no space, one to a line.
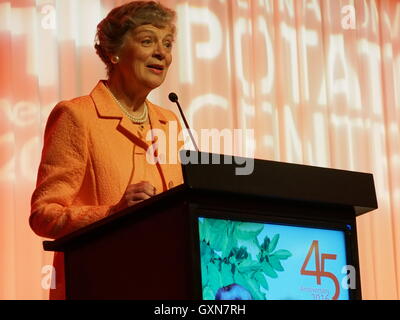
(147,42)
(168,44)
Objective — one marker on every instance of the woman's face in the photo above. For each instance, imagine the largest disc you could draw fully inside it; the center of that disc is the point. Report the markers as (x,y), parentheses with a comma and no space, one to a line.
(146,56)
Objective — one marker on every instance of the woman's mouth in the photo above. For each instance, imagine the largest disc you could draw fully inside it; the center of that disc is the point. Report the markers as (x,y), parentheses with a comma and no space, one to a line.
(156,68)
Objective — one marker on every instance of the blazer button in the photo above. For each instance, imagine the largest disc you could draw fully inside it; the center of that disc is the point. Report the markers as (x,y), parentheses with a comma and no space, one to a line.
(170,185)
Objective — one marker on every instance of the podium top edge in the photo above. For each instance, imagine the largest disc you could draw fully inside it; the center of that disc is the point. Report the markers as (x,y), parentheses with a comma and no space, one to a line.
(280,180)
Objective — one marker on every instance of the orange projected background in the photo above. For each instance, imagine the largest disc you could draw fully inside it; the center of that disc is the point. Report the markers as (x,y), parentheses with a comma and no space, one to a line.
(317,80)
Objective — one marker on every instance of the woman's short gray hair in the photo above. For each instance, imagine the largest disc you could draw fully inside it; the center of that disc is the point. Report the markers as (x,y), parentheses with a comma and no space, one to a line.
(112,29)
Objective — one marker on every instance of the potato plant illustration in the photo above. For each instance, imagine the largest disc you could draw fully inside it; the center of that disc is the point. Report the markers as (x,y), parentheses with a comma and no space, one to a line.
(234,264)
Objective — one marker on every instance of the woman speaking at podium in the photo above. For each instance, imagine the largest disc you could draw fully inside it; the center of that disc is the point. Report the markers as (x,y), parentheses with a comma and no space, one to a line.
(94,156)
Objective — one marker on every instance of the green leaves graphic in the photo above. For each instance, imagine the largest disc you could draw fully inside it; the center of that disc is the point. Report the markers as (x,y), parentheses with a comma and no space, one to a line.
(224,262)
(247,230)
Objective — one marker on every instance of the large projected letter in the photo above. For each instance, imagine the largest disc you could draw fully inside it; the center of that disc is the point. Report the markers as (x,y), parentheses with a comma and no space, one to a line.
(204,100)
(314,6)
(373,54)
(268,80)
(190,16)
(289,7)
(242,26)
(348,85)
(336,51)
(308,38)
(393,26)
(320,156)
(292,139)
(289,34)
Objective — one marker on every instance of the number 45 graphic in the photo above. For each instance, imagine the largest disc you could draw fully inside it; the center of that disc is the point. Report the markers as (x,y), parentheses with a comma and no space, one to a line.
(320,267)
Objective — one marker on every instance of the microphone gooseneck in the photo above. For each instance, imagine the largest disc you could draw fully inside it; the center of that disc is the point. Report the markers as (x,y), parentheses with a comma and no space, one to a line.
(174,98)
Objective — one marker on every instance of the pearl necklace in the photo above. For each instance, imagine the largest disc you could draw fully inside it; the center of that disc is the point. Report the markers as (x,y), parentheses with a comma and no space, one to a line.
(139,120)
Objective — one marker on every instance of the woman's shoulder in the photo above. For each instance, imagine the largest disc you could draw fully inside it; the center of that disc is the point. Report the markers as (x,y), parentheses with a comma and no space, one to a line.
(78,104)
(78,107)
(76,111)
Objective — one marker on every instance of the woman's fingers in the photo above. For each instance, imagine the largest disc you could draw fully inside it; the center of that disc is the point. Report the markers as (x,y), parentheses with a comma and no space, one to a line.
(134,190)
(140,191)
(138,196)
(134,194)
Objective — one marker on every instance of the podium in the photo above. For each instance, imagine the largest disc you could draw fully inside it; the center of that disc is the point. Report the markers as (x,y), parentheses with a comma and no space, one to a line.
(153,250)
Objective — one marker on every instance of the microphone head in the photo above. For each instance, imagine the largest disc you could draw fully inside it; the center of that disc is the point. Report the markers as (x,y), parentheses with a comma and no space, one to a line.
(173,97)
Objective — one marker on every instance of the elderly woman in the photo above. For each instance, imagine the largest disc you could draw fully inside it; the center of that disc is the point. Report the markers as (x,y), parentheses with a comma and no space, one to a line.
(94,156)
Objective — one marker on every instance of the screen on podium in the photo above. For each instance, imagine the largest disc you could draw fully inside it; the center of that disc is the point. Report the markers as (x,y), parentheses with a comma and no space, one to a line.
(244,260)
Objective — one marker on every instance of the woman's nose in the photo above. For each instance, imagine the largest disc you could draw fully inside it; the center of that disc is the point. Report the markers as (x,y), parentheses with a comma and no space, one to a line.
(159,51)
(158,55)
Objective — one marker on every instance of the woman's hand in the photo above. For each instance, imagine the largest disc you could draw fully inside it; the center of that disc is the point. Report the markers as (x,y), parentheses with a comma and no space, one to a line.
(134,194)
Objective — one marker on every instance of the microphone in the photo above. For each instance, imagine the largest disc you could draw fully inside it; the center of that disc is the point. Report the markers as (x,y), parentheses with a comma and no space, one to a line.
(174,98)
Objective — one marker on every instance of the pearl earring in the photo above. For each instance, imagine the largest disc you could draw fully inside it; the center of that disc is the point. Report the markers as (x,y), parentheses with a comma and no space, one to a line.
(115,59)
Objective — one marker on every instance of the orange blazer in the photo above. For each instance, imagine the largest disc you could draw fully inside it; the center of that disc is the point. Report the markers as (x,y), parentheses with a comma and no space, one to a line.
(91,153)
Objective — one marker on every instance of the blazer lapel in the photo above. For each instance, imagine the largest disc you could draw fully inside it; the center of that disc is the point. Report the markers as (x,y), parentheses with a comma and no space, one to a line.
(104,102)
(107,108)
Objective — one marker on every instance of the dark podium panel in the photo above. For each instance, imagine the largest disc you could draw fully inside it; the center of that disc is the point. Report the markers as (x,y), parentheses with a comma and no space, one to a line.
(151,251)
